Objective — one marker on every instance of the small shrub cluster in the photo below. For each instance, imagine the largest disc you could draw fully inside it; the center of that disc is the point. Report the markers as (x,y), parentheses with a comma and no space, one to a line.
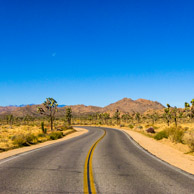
(24,140)
(62,128)
(160,135)
(30,139)
(56,135)
(131,126)
(176,134)
(189,140)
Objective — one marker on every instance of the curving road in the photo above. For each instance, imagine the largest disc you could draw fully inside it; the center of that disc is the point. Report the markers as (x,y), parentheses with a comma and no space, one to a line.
(102,160)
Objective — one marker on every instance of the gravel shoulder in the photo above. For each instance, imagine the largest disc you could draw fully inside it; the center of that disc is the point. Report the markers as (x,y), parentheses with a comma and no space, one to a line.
(79,131)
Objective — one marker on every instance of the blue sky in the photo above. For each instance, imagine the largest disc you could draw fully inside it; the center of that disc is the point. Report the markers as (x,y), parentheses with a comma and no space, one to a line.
(96,52)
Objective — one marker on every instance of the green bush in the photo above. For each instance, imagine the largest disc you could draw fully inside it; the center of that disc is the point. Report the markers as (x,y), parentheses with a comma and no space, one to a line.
(56,135)
(31,139)
(24,140)
(176,134)
(140,127)
(189,139)
(66,128)
(19,140)
(131,126)
(191,144)
(160,135)
(41,135)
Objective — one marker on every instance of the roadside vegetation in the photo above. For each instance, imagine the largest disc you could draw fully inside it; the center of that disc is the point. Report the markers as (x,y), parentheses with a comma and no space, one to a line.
(28,130)
(173,124)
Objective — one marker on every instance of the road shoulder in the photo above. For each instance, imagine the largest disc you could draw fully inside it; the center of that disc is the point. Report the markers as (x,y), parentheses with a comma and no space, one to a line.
(79,131)
(164,152)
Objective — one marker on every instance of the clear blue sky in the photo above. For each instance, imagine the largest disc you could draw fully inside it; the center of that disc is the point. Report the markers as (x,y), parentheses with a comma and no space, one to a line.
(96,52)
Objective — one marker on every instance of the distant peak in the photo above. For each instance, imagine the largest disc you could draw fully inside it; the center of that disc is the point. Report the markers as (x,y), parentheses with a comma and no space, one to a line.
(126,99)
(142,100)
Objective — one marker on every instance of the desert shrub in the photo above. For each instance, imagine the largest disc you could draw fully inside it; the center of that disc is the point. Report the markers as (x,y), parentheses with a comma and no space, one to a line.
(176,134)
(189,140)
(65,128)
(122,125)
(41,135)
(31,139)
(140,127)
(19,140)
(24,140)
(56,135)
(131,126)
(150,130)
(191,143)
(160,135)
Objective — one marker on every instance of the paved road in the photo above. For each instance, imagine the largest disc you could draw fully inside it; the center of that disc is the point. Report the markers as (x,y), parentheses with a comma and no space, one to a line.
(118,166)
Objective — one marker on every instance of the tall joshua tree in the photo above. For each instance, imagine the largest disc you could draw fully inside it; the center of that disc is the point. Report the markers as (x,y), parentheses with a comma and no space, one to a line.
(116,116)
(167,114)
(106,117)
(50,108)
(138,117)
(189,109)
(10,120)
(68,115)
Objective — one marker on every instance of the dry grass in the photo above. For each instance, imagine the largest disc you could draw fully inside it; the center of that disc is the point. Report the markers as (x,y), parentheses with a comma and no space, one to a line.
(31,133)
(7,133)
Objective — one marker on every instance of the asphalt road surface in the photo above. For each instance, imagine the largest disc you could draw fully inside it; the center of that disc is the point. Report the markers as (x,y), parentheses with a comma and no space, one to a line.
(102,161)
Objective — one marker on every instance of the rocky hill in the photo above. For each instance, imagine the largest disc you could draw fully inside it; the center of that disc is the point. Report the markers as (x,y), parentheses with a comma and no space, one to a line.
(129,105)
(124,105)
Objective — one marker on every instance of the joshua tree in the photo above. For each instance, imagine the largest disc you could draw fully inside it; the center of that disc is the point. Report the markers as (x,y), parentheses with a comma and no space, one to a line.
(174,113)
(126,117)
(50,108)
(116,116)
(192,108)
(137,117)
(90,118)
(68,115)
(189,109)
(10,120)
(167,114)
(106,116)
(154,117)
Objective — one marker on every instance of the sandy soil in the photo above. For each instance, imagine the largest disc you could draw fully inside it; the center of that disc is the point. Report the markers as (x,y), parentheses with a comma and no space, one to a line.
(164,151)
(79,131)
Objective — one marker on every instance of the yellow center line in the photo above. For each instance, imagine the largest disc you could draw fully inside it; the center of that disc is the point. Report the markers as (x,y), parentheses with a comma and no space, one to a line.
(89,186)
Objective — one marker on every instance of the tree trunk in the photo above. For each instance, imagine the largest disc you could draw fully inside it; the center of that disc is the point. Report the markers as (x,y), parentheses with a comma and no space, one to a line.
(175,120)
(51,123)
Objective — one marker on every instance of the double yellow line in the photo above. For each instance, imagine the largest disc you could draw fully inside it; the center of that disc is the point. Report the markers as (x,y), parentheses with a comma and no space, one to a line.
(89,186)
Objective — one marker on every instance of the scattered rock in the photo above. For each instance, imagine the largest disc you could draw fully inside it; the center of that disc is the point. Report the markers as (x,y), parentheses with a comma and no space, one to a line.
(150,130)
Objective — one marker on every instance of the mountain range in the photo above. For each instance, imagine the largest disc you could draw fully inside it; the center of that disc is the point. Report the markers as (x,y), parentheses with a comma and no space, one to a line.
(126,105)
